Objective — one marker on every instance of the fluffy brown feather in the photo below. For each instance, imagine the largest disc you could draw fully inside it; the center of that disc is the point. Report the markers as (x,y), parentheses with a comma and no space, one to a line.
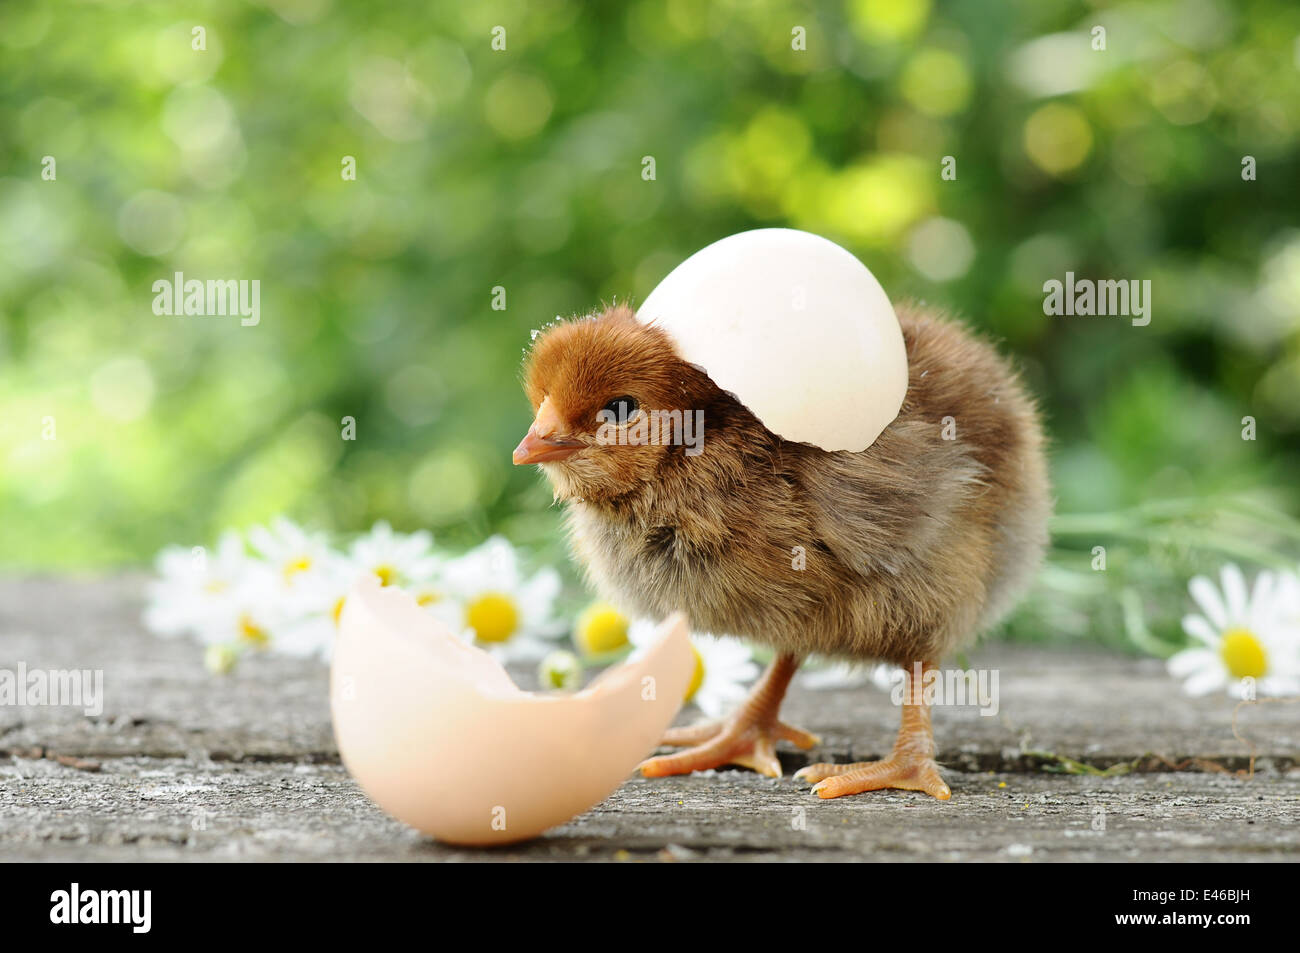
(910,547)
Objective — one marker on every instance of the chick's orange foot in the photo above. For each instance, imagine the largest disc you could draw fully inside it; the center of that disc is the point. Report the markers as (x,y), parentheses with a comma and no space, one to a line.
(742,741)
(909,767)
(906,773)
(747,738)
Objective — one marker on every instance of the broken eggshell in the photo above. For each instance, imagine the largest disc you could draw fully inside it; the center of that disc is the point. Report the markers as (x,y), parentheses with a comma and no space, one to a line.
(796,328)
(437,734)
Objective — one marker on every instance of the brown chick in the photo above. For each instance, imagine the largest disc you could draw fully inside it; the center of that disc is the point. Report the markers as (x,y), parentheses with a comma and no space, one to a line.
(902,552)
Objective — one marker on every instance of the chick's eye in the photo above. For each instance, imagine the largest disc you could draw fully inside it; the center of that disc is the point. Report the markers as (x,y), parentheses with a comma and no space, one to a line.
(620,409)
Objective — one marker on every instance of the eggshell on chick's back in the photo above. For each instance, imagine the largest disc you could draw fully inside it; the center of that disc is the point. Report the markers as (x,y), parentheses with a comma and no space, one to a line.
(796,328)
(437,734)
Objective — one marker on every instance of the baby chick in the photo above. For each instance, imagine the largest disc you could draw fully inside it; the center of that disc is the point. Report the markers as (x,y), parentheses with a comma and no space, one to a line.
(902,552)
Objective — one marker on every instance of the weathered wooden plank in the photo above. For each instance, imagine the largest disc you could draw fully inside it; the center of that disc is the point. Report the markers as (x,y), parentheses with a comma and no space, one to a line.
(171,809)
(183,765)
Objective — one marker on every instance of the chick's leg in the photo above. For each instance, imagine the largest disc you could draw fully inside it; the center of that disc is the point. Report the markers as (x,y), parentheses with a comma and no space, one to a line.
(747,738)
(909,767)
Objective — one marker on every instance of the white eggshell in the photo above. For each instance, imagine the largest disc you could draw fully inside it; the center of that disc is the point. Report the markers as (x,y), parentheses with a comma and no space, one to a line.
(793,325)
(437,734)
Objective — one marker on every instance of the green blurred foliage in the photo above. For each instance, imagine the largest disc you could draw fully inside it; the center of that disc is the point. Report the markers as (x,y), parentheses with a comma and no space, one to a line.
(522,169)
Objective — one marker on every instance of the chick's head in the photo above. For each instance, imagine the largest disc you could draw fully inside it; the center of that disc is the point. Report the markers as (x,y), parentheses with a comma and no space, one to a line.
(607,392)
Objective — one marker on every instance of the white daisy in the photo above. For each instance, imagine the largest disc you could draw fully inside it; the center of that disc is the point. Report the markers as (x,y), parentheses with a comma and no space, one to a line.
(396,558)
(723,669)
(486,597)
(247,612)
(295,555)
(200,592)
(1242,634)
(315,607)
(840,674)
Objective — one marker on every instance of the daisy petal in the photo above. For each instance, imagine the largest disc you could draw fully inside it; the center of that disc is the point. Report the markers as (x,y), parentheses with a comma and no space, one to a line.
(1207,597)
(1278,686)
(538,594)
(1234,592)
(1198,628)
(1204,682)
(1264,601)
(1191,660)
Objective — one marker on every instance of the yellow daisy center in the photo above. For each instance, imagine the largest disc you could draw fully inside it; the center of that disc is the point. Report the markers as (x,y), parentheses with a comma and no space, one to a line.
(493,617)
(337,612)
(295,566)
(387,574)
(251,632)
(697,679)
(1243,654)
(600,629)
(427,598)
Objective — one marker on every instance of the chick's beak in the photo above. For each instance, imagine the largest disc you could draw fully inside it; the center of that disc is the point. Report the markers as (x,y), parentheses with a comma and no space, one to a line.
(540,444)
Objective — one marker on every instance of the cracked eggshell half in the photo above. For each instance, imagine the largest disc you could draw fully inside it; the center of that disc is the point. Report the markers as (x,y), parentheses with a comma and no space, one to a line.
(437,734)
(796,328)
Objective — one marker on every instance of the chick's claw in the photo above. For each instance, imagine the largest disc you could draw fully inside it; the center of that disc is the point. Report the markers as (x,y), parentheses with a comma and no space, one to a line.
(742,741)
(900,772)
(704,731)
(748,738)
(691,734)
